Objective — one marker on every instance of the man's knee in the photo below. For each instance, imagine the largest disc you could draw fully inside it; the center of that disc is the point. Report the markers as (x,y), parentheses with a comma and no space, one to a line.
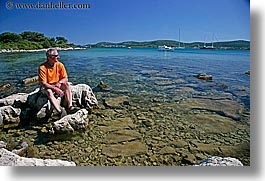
(49,92)
(66,86)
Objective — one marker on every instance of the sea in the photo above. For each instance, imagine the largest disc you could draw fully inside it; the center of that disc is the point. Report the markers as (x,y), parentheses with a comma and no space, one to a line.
(154,123)
(140,71)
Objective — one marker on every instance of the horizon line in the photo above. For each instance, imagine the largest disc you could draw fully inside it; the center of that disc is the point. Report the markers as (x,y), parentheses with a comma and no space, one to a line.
(163,40)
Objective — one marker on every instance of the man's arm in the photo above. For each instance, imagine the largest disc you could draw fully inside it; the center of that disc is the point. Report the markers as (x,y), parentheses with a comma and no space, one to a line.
(56,89)
(63,80)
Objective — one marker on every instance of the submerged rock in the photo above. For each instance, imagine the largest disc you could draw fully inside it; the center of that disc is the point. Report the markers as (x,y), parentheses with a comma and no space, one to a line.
(116,102)
(101,87)
(204,76)
(122,136)
(247,73)
(117,124)
(126,149)
(5,87)
(30,80)
(223,107)
(167,150)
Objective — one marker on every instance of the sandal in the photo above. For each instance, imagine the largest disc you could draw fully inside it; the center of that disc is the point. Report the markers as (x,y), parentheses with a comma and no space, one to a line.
(72,109)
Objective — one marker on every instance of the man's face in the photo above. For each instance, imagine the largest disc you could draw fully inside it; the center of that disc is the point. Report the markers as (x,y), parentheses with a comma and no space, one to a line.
(55,56)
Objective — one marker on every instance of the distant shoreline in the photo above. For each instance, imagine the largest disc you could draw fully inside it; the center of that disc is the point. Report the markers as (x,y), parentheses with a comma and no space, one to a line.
(37,50)
(34,42)
(68,49)
(231,45)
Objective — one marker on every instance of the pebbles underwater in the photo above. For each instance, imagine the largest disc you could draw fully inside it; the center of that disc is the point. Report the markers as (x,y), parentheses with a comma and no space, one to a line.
(152,114)
(140,129)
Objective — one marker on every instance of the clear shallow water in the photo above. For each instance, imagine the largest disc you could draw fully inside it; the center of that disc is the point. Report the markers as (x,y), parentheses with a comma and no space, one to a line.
(155,84)
(140,71)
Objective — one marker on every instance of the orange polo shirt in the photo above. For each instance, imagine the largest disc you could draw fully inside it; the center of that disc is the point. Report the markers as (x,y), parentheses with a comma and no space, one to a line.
(51,75)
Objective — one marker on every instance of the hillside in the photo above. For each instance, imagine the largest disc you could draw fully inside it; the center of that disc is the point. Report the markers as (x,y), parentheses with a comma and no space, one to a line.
(35,40)
(237,44)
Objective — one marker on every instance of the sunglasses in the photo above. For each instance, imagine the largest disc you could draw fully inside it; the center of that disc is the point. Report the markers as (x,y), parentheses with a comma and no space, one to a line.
(54,55)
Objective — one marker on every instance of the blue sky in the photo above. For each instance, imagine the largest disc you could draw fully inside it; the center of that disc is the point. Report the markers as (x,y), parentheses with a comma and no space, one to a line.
(133,20)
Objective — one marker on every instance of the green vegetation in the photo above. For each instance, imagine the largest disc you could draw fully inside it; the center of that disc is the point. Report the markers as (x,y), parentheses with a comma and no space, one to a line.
(34,40)
(30,41)
(238,44)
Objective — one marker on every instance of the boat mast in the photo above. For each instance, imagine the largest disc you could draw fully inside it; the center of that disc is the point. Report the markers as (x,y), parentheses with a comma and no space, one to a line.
(212,40)
(204,45)
(179,37)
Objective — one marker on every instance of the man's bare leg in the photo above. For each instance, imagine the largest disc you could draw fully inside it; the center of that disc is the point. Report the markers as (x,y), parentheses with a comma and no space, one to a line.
(53,100)
(67,93)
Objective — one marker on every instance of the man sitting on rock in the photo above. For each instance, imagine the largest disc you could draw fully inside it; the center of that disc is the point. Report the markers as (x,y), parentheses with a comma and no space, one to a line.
(54,82)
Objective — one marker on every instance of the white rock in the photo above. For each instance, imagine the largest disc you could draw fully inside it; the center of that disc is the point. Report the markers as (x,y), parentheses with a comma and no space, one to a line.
(72,122)
(220,161)
(83,96)
(12,99)
(9,115)
(8,158)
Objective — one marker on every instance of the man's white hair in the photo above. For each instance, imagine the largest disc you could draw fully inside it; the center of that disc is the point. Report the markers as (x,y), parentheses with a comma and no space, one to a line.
(50,52)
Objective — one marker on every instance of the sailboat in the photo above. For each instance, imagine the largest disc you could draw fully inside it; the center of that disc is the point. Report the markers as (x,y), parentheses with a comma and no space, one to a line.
(208,47)
(179,47)
(165,48)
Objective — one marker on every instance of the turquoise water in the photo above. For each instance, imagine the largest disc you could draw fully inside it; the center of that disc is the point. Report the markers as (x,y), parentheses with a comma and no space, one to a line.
(140,71)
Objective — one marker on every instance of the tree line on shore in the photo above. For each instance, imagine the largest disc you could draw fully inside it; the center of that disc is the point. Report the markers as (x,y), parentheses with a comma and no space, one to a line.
(236,44)
(30,41)
(33,40)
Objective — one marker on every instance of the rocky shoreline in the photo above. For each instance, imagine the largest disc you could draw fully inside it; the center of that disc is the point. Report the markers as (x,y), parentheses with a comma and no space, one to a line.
(142,131)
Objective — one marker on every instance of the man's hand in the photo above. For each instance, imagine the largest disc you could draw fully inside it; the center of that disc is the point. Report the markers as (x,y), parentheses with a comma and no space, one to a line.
(58,84)
(58,91)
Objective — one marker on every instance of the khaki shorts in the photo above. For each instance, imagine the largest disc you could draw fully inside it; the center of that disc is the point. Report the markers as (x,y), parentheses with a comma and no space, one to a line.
(45,92)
